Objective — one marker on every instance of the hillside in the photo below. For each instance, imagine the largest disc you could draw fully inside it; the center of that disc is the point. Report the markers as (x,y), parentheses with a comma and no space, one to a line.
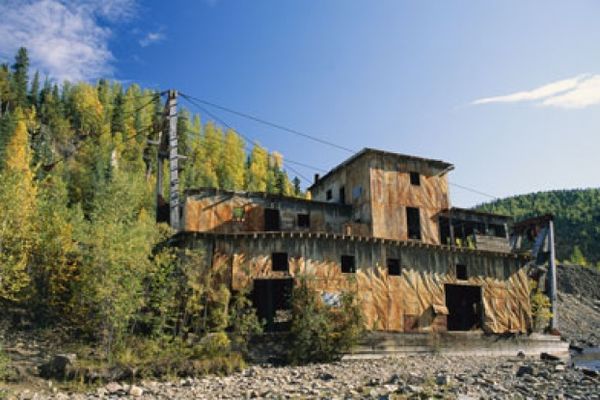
(577,217)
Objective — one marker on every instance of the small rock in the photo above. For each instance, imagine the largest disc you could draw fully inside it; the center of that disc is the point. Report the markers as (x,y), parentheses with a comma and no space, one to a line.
(325,376)
(442,380)
(549,357)
(113,387)
(136,391)
(525,370)
(590,372)
(559,367)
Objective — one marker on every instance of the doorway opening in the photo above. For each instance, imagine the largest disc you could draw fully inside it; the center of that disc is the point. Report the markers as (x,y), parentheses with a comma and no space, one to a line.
(464,307)
(272,300)
(271,219)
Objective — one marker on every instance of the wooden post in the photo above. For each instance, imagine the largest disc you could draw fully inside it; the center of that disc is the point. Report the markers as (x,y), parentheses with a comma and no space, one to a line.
(173,161)
(552,277)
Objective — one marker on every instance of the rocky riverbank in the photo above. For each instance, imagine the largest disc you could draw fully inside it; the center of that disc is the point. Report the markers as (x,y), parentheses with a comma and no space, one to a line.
(422,376)
(579,305)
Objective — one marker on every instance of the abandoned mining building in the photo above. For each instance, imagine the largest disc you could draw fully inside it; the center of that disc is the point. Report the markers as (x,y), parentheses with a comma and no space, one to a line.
(381,224)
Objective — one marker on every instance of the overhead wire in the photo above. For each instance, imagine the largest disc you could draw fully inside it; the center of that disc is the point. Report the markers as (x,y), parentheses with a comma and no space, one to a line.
(249,140)
(271,124)
(194,100)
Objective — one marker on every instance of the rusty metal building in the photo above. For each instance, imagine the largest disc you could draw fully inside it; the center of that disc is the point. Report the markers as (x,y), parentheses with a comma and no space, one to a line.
(381,224)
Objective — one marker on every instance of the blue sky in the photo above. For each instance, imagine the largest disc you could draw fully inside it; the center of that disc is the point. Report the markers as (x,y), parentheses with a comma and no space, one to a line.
(508,91)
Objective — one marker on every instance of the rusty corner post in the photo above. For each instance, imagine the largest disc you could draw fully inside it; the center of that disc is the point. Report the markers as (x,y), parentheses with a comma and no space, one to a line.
(174,217)
(552,278)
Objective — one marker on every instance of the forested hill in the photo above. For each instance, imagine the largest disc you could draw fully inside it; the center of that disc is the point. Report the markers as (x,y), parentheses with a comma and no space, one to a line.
(78,172)
(577,218)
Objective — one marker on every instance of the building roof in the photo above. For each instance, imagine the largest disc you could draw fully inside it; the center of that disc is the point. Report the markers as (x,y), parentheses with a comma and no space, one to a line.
(458,212)
(442,165)
(211,191)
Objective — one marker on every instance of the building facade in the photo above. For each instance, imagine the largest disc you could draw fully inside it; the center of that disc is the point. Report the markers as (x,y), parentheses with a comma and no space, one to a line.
(379,224)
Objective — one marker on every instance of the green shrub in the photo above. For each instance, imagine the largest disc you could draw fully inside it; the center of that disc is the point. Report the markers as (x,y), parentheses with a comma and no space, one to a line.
(540,308)
(213,345)
(321,332)
(243,322)
(4,360)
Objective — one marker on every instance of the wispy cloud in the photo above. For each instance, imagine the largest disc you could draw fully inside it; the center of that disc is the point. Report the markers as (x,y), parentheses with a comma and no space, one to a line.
(65,38)
(152,37)
(578,92)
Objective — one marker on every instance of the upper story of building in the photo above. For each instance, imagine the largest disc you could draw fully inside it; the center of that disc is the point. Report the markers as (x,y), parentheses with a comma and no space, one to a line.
(372,194)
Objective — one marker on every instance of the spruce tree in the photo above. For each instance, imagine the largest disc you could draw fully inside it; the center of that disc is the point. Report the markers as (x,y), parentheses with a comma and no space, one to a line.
(20,77)
(34,93)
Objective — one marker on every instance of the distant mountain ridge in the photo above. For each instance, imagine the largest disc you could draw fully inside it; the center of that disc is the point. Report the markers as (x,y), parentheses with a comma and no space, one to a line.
(577,217)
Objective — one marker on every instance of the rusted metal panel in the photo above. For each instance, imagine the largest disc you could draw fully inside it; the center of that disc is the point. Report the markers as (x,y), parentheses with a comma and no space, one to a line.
(214,211)
(389,301)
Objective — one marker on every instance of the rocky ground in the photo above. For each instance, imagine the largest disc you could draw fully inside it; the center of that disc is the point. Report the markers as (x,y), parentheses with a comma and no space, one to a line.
(423,376)
(579,305)
(412,377)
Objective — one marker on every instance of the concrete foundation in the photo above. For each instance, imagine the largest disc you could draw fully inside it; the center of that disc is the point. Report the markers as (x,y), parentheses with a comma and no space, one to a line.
(382,344)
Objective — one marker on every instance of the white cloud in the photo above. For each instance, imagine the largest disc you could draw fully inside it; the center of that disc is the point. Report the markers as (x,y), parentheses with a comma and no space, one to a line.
(65,38)
(578,92)
(152,37)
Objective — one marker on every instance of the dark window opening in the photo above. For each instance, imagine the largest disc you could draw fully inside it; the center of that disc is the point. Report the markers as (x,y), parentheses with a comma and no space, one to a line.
(413,222)
(348,265)
(303,221)
(271,219)
(343,195)
(461,272)
(328,195)
(415,179)
(271,299)
(238,213)
(496,230)
(464,307)
(444,225)
(393,265)
(279,262)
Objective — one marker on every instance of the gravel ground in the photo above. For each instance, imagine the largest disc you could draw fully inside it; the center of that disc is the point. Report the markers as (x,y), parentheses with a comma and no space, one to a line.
(427,376)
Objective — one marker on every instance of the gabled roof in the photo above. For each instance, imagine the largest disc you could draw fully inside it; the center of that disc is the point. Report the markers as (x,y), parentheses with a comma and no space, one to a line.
(441,165)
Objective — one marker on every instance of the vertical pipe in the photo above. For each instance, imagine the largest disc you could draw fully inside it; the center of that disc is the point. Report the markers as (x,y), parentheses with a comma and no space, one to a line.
(552,278)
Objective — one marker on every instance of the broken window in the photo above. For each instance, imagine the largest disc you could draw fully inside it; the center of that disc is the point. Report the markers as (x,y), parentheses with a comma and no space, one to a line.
(393,265)
(414,223)
(461,272)
(328,195)
(343,195)
(348,265)
(271,219)
(415,179)
(238,213)
(279,262)
(303,221)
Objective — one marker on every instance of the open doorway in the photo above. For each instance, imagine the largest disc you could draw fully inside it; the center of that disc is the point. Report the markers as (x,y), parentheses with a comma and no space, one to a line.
(464,307)
(271,298)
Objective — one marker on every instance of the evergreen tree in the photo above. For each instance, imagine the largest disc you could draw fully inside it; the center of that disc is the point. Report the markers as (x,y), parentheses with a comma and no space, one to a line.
(34,93)
(296,183)
(20,77)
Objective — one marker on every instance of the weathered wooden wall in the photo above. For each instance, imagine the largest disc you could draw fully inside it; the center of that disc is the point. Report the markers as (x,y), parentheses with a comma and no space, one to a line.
(392,192)
(386,191)
(393,303)
(212,211)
